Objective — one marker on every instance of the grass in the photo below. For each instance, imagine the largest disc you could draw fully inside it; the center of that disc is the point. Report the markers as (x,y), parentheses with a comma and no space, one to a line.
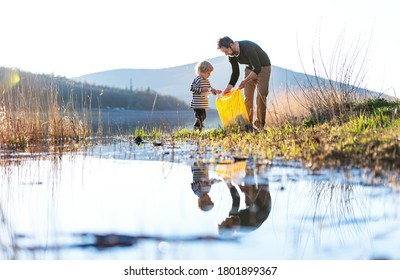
(31,113)
(367,134)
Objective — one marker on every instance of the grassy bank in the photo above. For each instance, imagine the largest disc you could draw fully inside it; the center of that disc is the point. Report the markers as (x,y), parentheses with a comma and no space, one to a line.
(367,135)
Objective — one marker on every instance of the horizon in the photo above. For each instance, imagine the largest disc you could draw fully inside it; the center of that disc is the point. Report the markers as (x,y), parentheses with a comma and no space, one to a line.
(78,78)
(54,37)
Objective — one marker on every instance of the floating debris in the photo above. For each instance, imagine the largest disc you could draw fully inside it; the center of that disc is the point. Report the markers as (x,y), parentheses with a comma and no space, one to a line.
(138,140)
(157,144)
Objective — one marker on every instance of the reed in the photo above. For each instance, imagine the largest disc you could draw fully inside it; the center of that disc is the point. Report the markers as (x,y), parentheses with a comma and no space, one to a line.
(32,113)
(338,81)
(284,107)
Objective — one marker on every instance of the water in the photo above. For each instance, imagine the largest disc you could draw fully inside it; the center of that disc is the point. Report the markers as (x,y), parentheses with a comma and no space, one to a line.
(123,201)
(122,121)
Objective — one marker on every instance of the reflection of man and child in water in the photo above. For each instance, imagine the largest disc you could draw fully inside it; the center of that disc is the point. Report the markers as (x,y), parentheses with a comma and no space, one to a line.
(238,176)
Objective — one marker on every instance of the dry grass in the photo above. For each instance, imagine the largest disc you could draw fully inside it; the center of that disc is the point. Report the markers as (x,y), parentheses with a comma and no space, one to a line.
(338,80)
(32,113)
(335,85)
(283,107)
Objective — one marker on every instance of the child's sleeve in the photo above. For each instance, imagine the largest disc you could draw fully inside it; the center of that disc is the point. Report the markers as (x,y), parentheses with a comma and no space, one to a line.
(195,88)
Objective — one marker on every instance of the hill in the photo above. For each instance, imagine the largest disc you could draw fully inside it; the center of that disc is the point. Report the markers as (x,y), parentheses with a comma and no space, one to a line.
(175,81)
(84,94)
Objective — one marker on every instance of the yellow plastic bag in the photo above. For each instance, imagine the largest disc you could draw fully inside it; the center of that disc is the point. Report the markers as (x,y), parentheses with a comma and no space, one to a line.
(232,111)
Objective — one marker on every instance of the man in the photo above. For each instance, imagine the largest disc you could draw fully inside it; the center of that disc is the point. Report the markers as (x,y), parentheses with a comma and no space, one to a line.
(257,74)
(257,199)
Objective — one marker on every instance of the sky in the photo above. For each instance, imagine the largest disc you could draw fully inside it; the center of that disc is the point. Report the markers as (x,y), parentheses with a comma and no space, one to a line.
(76,37)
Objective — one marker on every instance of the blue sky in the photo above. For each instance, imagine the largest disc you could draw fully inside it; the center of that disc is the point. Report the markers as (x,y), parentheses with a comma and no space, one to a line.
(77,37)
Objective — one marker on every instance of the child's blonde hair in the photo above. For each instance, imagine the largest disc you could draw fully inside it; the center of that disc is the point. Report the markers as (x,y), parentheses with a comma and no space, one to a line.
(203,66)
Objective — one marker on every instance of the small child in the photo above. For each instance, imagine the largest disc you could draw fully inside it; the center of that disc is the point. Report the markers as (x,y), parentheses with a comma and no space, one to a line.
(201,88)
(201,185)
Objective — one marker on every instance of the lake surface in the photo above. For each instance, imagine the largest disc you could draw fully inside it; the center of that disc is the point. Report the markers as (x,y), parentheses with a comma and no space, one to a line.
(122,121)
(124,201)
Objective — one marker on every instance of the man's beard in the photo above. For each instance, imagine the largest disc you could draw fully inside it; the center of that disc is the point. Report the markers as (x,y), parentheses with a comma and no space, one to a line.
(234,53)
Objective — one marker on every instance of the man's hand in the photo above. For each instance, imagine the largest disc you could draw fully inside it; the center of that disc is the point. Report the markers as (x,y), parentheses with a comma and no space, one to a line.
(227,90)
(241,85)
(249,77)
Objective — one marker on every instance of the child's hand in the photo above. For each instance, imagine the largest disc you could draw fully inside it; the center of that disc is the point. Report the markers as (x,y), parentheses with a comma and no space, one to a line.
(217,91)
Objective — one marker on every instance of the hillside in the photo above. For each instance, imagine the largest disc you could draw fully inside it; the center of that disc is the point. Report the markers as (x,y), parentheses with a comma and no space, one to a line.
(84,94)
(175,81)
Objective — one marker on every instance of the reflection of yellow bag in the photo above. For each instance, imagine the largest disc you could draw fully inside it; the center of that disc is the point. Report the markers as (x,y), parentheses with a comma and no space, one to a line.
(231,109)
(232,171)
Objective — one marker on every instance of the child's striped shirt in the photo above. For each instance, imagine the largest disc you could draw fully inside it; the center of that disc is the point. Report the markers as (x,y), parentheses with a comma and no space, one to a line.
(199,99)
